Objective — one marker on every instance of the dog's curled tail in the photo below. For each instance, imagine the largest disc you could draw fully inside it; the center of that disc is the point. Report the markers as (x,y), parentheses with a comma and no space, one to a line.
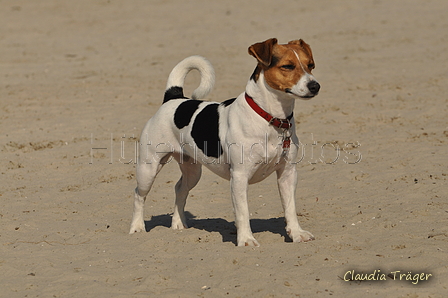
(174,87)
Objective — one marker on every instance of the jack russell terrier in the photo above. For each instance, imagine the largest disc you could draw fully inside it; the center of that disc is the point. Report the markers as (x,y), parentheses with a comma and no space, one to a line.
(244,139)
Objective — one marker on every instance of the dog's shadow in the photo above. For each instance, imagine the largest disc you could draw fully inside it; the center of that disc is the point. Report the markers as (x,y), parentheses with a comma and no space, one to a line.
(225,228)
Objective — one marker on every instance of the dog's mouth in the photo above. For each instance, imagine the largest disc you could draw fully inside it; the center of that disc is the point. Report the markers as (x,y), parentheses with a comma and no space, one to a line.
(307,96)
(312,88)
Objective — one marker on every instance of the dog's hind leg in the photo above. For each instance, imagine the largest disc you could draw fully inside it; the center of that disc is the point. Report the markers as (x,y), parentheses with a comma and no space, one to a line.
(146,174)
(191,173)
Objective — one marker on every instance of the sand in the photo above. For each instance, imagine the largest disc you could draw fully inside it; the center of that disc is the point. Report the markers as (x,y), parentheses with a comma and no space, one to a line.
(79,79)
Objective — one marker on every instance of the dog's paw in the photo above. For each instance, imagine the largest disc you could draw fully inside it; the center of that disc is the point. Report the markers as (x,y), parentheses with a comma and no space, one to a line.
(137,227)
(248,241)
(178,224)
(299,235)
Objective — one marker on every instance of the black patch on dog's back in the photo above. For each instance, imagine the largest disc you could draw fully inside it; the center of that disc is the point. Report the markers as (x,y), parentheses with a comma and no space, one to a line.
(205,131)
(228,102)
(184,112)
(173,92)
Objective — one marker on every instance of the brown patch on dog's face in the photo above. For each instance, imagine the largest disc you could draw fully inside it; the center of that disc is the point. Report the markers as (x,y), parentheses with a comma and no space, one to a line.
(293,62)
(283,65)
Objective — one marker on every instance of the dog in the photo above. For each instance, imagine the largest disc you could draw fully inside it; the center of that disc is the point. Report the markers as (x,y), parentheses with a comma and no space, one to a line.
(244,139)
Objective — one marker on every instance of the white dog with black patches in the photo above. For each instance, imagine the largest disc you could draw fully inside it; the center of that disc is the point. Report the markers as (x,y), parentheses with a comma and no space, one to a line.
(243,140)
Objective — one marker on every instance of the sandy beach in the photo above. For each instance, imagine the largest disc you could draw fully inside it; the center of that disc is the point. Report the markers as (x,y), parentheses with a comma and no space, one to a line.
(79,79)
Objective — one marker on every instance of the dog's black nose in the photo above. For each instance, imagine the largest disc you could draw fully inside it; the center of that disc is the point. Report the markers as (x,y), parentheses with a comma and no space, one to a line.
(314,87)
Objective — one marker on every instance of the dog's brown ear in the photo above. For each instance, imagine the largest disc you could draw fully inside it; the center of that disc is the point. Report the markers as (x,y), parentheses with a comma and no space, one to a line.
(262,51)
(303,45)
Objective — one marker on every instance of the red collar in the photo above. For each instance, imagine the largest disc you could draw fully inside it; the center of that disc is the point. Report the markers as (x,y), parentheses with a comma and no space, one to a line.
(277,122)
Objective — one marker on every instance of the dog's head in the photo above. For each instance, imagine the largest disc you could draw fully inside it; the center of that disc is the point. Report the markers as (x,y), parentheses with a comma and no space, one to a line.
(286,67)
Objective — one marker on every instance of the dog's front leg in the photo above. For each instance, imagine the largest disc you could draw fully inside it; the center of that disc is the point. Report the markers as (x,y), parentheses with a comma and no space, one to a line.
(287,181)
(138,224)
(239,186)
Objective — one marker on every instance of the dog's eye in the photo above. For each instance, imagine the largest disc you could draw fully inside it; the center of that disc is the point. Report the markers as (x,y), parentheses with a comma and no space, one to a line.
(311,66)
(288,66)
